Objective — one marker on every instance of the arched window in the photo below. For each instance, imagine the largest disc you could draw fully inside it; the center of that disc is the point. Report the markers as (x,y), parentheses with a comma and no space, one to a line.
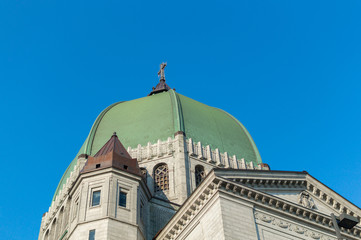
(143,171)
(59,225)
(161,178)
(46,235)
(53,229)
(200,174)
(66,215)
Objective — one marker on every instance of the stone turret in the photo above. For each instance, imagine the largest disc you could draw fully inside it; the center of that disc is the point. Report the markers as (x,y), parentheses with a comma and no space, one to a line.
(107,198)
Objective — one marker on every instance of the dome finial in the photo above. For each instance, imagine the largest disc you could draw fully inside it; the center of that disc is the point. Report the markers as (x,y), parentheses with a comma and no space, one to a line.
(161,86)
(161,71)
(114,133)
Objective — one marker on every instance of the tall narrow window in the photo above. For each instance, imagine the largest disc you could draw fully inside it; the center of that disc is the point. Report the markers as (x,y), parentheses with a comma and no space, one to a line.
(141,210)
(143,171)
(122,199)
(46,235)
(95,198)
(92,234)
(75,208)
(53,230)
(199,174)
(161,178)
(59,223)
(66,215)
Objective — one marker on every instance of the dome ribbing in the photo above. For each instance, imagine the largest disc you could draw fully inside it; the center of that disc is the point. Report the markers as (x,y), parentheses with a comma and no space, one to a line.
(160,116)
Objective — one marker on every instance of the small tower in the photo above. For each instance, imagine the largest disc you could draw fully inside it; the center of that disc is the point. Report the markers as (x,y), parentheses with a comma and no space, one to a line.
(113,196)
(109,199)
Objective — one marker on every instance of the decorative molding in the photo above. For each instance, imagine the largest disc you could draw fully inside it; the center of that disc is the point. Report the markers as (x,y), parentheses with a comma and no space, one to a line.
(315,190)
(306,200)
(278,204)
(196,150)
(214,156)
(185,215)
(331,199)
(213,184)
(270,182)
(266,219)
(153,151)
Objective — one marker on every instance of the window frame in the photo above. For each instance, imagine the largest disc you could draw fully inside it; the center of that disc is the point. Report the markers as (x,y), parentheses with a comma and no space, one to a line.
(126,198)
(92,197)
(159,180)
(127,188)
(91,231)
(199,175)
(144,174)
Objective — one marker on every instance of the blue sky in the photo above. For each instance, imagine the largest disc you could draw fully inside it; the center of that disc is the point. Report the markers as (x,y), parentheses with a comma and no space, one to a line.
(288,70)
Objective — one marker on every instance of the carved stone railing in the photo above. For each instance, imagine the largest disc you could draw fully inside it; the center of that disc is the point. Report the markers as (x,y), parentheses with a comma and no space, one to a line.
(217,158)
(151,151)
(154,151)
(196,150)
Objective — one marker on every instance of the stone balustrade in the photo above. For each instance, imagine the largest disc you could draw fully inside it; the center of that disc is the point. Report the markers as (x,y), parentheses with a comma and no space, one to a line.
(217,158)
(150,152)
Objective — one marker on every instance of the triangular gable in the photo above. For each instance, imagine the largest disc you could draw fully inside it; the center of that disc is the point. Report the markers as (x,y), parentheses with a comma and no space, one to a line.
(296,187)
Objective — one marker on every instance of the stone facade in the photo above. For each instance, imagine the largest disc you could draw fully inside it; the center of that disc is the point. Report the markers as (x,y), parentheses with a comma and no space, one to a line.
(110,220)
(70,217)
(242,211)
(178,188)
(203,194)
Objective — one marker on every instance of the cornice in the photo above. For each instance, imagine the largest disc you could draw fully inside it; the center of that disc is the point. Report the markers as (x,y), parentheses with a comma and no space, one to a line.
(270,180)
(331,198)
(189,208)
(292,183)
(213,184)
(273,221)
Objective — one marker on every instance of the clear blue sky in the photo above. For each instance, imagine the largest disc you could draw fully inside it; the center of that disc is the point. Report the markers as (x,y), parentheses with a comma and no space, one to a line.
(290,71)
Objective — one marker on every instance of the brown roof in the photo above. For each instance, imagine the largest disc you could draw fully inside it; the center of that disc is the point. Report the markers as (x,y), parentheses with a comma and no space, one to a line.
(113,145)
(112,154)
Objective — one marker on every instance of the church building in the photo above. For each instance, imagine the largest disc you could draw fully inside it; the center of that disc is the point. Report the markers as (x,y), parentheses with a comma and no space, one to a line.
(168,167)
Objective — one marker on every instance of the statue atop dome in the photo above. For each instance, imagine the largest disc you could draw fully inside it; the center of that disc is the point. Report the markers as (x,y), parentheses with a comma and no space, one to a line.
(161,70)
(161,86)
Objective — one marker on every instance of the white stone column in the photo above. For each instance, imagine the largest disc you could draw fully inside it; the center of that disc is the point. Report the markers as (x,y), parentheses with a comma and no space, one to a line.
(235,162)
(226,160)
(181,170)
(200,150)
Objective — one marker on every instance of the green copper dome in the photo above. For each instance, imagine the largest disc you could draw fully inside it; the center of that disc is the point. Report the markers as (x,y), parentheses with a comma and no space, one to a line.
(160,116)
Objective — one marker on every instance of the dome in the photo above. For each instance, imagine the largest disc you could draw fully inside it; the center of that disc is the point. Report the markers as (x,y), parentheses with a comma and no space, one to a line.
(160,116)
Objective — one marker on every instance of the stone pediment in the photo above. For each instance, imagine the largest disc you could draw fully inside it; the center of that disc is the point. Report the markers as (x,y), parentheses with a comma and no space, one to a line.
(277,200)
(296,187)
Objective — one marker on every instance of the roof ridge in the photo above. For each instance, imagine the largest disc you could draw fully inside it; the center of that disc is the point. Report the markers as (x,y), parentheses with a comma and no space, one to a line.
(113,145)
(178,121)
